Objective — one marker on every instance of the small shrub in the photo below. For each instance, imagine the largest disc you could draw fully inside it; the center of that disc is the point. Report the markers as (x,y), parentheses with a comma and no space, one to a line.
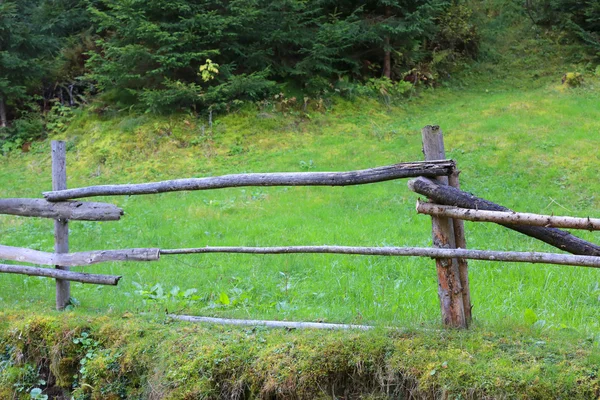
(572,79)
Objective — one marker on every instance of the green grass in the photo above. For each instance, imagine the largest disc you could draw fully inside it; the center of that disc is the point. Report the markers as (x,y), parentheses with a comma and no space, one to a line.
(531,150)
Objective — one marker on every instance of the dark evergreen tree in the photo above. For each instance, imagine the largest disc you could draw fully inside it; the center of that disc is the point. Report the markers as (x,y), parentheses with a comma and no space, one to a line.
(24,49)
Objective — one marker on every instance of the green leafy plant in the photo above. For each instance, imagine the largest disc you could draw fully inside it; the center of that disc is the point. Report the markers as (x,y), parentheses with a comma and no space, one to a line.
(36,394)
(385,89)
(209,70)
(176,297)
(89,351)
(27,378)
(572,79)
(58,118)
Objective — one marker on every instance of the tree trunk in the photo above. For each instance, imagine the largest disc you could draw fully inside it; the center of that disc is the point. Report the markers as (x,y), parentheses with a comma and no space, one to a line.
(387,53)
(387,58)
(3,120)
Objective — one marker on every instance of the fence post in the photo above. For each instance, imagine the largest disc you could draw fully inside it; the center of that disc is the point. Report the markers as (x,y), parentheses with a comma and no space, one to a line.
(61,226)
(461,242)
(450,289)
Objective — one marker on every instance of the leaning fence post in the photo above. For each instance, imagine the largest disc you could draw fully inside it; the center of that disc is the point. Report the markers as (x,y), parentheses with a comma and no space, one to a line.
(61,226)
(450,289)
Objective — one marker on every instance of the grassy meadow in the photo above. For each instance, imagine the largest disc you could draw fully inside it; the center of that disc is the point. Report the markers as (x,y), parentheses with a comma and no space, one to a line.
(532,150)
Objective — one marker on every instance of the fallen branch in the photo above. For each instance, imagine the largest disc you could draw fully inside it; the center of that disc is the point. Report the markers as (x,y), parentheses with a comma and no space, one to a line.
(60,274)
(269,324)
(68,210)
(76,259)
(450,196)
(380,174)
(508,217)
(528,257)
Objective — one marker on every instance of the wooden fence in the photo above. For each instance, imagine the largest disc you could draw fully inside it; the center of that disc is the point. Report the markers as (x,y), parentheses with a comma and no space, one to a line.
(435,178)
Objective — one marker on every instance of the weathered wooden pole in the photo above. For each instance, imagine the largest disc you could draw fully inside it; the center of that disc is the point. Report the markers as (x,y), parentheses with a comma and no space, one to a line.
(59,273)
(508,217)
(61,225)
(461,242)
(346,178)
(450,289)
(73,210)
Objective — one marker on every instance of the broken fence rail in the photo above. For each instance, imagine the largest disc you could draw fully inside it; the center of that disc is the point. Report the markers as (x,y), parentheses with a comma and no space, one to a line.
(65,210)
(269,324)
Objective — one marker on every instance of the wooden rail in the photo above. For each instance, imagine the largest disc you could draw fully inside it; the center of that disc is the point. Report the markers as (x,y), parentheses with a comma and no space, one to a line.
(76,259)
(508,217)
(487,255)
(360,177)
(269,324)
(60,274)
(67,210)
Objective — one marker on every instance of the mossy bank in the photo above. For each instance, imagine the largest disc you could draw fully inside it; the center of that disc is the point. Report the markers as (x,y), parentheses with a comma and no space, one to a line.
(69,356)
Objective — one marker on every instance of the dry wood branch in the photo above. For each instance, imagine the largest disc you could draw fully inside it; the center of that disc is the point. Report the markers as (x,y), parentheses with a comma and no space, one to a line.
(76,259)
(60,274)
(508,217)
(68,210)
(269,324)
(450,196)
(380,174)
(488,255)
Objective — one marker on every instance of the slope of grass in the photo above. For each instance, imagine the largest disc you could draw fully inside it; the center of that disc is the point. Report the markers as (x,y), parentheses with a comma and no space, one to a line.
(533,151)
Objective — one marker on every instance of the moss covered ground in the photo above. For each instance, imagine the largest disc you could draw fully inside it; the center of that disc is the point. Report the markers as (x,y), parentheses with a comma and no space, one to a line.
(153,358)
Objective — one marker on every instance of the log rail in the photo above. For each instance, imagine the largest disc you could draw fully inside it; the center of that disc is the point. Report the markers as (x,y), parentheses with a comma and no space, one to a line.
(486,255)
(508,217)
(60,274)
(359,177)
(65,210)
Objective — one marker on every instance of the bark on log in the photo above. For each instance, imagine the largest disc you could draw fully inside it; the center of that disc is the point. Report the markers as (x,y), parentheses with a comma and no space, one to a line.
(380,174)
(76,259)
(446,195)
(67,210)
(486,255)
(268,324)
(512,217)
(60,274)
(450,289)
